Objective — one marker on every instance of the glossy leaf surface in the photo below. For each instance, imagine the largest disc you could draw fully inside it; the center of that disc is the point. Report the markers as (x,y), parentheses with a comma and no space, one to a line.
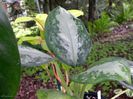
(117,69)
(9,60)
(52,94)
(33,57)
(67,37)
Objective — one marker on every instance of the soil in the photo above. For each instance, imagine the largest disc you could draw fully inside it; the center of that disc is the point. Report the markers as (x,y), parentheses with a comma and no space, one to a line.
(29,85)
(122,32)
(110,93)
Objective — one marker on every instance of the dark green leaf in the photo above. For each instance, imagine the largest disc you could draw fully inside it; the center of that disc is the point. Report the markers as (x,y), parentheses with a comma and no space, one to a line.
(33,57)
(67,37)
(117,69)
(9,60)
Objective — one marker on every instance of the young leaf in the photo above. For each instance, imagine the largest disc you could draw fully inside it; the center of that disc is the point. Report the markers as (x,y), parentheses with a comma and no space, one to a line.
(76,13)
(9,60)
(67,37)
(117,69)
(40,20)
(33,57)
(52,94)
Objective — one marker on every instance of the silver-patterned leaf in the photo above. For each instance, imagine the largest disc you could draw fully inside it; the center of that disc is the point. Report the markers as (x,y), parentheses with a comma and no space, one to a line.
(117,69)
(33,57)
(67,37)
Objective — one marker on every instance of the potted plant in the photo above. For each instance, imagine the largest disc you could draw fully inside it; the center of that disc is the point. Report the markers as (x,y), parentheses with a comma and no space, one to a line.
(69,42)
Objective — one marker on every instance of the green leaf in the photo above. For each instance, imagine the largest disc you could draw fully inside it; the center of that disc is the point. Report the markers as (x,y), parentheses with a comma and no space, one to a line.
(52,94)
(67,37)
(116,69)
(23,19)
(23,33)
(101,5)
(76,13)
(44,45)
(33,57)
(40,20)
(31,39)
(9,60)
(80,89)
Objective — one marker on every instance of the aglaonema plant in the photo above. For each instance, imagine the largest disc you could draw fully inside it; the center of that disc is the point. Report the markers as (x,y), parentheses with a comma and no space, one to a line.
(9,60)
(69,42)
(40,20)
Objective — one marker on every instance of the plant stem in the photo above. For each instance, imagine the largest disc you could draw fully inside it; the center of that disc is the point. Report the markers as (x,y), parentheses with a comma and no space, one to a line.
(42,34)
(82,90)
(47,70)
(126,85)
(61,79)
(120,94)
(67,77)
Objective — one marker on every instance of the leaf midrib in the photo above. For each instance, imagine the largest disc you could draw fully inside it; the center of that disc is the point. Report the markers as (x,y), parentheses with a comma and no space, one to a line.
(71,40)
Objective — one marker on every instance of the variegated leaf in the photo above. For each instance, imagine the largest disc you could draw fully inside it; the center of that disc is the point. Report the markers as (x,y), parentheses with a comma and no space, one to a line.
(117,69)
(32,57)
(67,37)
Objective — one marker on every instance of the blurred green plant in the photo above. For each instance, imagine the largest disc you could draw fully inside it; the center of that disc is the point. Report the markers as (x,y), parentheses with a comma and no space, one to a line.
(122,12)
(30,6)
(101,25)
(43,73)
(103,50)
(106,87)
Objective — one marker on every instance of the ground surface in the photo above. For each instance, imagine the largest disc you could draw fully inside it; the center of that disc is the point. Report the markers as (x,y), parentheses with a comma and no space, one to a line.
(29,86)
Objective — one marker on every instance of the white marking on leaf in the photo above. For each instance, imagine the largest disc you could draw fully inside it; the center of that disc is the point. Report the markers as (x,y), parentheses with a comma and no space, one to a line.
(73,42)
